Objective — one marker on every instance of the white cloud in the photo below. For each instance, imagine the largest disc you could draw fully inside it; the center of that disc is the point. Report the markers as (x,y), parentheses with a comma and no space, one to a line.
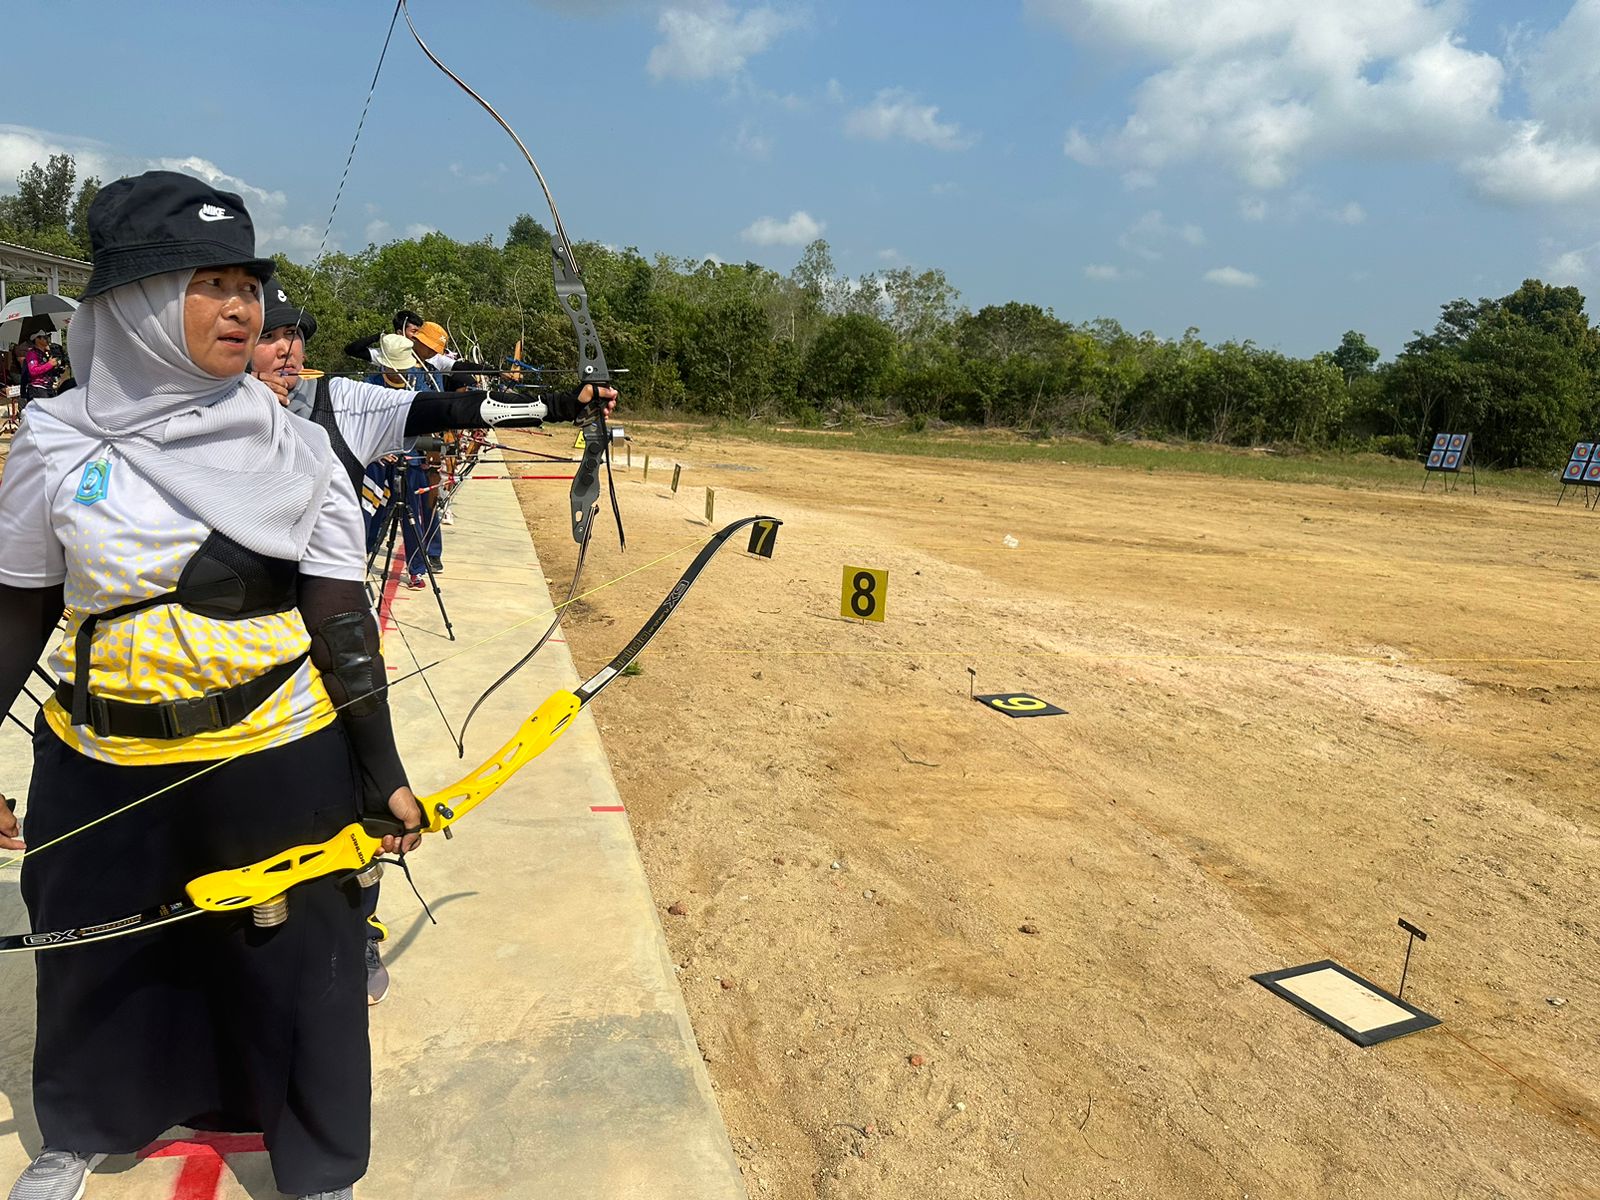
(477,178)
(1531,167)
(21,147)
(1561,74)
(1102,273)
(301,241)
(714,40)
(1570,267)
(377,230)
(420,230)
(1264,87)
(262,203)
(752,144)
(1575,266)
(798,230)
(1299,205)
(896,113)
(273,234)
(1080,149)
(1232,277)
(1553,155)
(1148,235)
(890,255)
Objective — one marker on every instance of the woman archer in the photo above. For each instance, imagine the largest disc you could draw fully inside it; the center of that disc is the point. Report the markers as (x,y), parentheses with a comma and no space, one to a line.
(211,554)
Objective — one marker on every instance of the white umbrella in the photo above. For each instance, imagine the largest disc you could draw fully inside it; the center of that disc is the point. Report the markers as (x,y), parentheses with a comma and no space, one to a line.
(37,305)
(27,314)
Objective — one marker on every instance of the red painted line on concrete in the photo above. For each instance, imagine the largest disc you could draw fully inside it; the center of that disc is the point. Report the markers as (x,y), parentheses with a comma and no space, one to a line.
(606,808)
(203,1156)
(386,601)
(521,477)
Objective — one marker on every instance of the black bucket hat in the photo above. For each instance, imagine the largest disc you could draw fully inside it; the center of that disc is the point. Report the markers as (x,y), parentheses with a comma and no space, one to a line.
(164,221)
(281,311)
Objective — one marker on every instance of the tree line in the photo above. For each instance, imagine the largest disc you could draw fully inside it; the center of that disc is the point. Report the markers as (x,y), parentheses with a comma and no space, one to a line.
(814,347)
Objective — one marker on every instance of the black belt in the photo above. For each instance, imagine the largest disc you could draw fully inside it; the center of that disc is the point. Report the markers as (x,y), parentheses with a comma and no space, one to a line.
(169,719)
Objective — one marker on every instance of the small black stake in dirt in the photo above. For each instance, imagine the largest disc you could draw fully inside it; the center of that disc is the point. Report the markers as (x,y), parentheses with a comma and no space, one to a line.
(1411,941)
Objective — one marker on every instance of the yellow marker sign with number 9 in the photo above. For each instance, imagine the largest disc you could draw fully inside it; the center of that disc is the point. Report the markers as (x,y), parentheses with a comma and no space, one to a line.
(865,594)
(1019,703)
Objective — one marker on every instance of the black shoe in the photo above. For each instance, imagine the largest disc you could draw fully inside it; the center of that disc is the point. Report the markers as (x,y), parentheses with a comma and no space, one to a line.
(436,564)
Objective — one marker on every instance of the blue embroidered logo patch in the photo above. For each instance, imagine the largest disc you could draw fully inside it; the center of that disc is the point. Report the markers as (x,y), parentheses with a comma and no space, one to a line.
(95,483)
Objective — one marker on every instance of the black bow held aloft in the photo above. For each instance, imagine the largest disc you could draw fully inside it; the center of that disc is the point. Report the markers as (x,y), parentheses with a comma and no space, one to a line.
(584,498)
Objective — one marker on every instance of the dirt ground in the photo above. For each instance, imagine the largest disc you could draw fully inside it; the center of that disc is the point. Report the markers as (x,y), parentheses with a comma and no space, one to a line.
(1296,713)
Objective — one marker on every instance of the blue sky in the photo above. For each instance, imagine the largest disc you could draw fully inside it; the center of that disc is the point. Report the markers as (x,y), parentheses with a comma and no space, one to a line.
(1268,169)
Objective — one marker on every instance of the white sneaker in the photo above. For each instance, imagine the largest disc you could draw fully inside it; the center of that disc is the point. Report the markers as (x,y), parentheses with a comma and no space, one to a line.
(55,1175)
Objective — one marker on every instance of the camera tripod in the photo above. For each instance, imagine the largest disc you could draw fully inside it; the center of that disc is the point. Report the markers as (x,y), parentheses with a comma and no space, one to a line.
(397,511)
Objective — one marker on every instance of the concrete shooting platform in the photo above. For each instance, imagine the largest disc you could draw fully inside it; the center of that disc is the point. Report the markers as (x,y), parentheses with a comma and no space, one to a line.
(535,1042)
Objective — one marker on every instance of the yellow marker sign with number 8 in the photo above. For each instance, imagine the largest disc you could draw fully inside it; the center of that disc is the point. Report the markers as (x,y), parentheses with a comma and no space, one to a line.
(865,594)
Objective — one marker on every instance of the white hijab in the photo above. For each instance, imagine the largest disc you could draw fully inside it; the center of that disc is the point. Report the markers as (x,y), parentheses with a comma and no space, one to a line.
(223,448)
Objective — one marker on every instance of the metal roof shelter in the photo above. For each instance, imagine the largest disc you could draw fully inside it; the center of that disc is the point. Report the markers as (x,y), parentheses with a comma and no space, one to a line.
(19,262)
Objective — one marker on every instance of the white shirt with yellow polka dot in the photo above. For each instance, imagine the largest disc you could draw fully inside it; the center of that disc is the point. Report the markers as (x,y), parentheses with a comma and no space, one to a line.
(74,512)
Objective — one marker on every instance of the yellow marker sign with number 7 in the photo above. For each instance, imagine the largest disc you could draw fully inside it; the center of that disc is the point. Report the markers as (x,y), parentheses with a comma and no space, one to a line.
(864,594)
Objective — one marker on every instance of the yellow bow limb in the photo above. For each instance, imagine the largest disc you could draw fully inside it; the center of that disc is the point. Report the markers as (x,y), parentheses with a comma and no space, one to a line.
(353,848)
(533,737)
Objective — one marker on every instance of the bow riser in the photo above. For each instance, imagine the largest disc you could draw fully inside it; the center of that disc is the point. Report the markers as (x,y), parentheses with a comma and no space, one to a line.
(354,849)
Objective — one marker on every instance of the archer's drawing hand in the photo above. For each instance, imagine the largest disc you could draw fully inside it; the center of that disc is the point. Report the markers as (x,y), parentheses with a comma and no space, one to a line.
(280,385)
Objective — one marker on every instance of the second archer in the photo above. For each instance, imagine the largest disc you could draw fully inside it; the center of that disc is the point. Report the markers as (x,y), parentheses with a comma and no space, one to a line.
(366,421)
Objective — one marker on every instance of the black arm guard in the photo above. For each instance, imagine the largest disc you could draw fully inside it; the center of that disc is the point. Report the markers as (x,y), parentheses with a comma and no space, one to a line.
(28,617)
(344,648)
(359,349)
(434,412)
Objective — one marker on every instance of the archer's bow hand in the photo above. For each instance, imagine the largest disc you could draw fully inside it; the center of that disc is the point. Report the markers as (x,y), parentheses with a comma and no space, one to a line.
(403,804)
(587,400)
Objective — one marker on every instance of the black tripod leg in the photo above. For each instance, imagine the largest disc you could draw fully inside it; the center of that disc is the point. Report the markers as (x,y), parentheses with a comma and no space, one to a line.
(422,549)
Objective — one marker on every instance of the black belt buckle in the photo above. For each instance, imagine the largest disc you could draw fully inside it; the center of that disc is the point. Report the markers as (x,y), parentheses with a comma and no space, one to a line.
(99,715)
(196,714)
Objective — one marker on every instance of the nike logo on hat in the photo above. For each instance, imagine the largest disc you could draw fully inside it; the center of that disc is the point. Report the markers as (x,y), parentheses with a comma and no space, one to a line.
(212,212)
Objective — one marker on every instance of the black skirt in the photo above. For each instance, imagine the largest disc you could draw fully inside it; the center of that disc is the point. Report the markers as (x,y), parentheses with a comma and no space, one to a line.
(210,1023)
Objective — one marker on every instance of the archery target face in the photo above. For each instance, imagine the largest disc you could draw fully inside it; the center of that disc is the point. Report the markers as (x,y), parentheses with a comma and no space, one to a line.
(1591,473)
(1583,451)
(1452,460)
(1346,1000)
(1441,441)
(1458,441)
(1436,458)
(1574,470)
